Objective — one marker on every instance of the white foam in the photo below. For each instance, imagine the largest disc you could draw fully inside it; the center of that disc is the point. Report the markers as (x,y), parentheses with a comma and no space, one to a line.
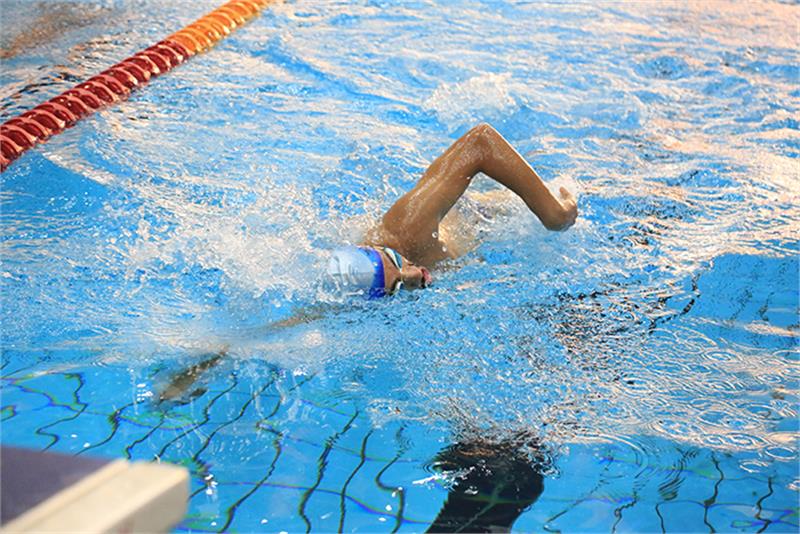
(477,99)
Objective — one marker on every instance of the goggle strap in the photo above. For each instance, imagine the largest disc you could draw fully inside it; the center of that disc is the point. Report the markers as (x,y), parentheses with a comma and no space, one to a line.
(395,257)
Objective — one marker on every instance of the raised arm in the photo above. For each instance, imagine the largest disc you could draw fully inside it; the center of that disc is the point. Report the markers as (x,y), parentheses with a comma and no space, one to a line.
(412,223)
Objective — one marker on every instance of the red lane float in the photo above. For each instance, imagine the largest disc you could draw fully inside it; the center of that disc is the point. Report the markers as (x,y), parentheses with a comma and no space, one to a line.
(115,83)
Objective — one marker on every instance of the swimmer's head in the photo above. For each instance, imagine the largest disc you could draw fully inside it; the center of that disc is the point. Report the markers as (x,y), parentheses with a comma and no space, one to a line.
(374,271)
(400,272)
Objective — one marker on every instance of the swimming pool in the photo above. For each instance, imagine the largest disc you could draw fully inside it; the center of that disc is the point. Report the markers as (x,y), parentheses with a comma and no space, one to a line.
(638,372)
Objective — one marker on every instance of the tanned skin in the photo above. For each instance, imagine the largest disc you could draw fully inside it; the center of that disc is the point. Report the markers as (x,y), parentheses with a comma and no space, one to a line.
(411,226)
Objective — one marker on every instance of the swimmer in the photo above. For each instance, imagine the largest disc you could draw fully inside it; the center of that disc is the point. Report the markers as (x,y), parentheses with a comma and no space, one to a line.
(409,239)
(414,234)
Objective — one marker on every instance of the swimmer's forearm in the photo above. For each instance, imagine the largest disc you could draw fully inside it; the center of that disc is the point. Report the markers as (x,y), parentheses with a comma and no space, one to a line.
(505,165)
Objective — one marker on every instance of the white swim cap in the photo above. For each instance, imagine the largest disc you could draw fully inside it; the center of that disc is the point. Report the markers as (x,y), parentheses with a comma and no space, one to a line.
(357,270)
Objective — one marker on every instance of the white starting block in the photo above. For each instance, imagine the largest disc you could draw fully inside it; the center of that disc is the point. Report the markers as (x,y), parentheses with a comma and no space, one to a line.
(47,492)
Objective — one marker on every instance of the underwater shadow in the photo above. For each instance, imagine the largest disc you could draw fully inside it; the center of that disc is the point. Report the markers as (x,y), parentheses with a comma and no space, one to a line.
(494,484)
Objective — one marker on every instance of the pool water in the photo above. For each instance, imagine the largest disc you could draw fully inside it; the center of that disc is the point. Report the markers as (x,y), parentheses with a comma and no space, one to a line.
(637,372)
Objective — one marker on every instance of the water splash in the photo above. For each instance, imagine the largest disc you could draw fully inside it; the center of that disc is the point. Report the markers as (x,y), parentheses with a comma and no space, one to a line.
(669,309)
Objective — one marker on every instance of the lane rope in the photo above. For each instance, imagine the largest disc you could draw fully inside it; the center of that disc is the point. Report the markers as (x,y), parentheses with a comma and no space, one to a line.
(115,83)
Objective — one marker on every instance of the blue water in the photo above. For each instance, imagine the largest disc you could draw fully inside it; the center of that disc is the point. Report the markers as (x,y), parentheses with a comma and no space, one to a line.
(641,368)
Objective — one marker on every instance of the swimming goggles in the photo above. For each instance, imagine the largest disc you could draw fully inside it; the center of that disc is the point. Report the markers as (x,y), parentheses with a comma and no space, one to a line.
(397,260)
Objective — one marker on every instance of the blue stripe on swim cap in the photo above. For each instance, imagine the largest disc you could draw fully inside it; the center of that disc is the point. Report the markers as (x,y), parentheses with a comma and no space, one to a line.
(378,288)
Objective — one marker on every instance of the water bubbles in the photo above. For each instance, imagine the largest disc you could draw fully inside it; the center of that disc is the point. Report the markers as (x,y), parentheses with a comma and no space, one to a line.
(314,338)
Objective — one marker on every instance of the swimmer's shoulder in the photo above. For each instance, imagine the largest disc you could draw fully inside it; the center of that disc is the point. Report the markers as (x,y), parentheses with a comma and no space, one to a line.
(421,249)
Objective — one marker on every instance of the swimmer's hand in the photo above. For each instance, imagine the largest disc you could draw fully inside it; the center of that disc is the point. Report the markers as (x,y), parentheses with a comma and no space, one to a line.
(563,213)
(570,207)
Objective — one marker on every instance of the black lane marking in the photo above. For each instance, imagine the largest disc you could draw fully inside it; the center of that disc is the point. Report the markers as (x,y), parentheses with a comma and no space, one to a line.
(113,420)
(343,492)
(400,491)
(713,499)
(145,437)
(759,504)
(83,406)
(276,443)
(207,442)
(205,420)
(321,465)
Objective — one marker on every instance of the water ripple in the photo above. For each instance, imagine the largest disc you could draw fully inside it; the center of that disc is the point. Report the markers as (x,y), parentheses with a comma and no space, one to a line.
(193,215)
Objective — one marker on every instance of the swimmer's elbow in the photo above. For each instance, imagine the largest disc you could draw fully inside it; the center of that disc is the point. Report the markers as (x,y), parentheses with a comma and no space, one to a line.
(483,131)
